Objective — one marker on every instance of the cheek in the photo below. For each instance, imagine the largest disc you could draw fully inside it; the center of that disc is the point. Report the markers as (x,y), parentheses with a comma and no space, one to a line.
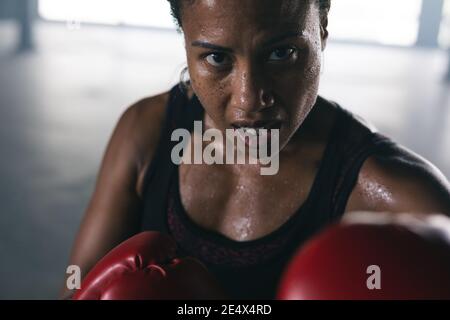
(300,84)
(201,78)
(313,68)
(306,71)
(299,87)
(210,93)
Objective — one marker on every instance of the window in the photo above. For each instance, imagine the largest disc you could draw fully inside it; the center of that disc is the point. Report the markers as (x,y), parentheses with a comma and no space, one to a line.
(444,34)
(149,13)
(369,21)
(375,21)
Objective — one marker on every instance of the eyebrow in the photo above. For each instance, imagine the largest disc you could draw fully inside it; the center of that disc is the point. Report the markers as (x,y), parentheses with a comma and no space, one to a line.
(207,45)
(284,36)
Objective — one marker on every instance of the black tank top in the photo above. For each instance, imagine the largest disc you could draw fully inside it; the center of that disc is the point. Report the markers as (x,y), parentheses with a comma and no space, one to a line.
(252,269)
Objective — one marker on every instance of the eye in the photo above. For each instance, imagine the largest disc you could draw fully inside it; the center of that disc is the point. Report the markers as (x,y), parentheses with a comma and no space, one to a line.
(218,59)
(282,54)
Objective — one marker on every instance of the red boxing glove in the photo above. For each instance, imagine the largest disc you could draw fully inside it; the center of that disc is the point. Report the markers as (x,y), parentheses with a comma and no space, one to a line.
(373,256)
(144,267)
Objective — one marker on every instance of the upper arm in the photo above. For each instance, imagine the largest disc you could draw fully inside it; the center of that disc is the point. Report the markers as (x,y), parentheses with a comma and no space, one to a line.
(400,181)
(113,213)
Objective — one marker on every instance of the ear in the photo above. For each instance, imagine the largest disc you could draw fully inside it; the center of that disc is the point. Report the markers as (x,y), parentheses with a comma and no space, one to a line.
(324,31)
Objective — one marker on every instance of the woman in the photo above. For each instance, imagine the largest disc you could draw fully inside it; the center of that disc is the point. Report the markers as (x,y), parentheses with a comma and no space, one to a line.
(252,64)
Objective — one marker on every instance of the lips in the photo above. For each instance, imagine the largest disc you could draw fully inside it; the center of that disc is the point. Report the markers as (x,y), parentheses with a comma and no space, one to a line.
(255,129)
(253,126)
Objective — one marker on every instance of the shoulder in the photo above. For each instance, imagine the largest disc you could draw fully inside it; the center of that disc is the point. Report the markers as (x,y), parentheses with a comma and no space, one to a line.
(138,131)
(145,109)
(396,179)
(393,179)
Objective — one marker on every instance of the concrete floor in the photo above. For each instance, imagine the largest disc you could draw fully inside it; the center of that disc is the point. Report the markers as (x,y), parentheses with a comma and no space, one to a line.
(59,104)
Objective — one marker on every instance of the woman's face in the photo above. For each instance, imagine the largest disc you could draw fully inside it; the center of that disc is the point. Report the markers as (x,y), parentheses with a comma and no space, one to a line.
(254,63)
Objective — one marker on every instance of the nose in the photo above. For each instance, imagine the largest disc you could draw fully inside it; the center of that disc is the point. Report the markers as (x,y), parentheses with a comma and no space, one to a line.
(250,91)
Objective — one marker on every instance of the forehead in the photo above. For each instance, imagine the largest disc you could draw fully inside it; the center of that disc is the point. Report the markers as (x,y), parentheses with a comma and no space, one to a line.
(209,17)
